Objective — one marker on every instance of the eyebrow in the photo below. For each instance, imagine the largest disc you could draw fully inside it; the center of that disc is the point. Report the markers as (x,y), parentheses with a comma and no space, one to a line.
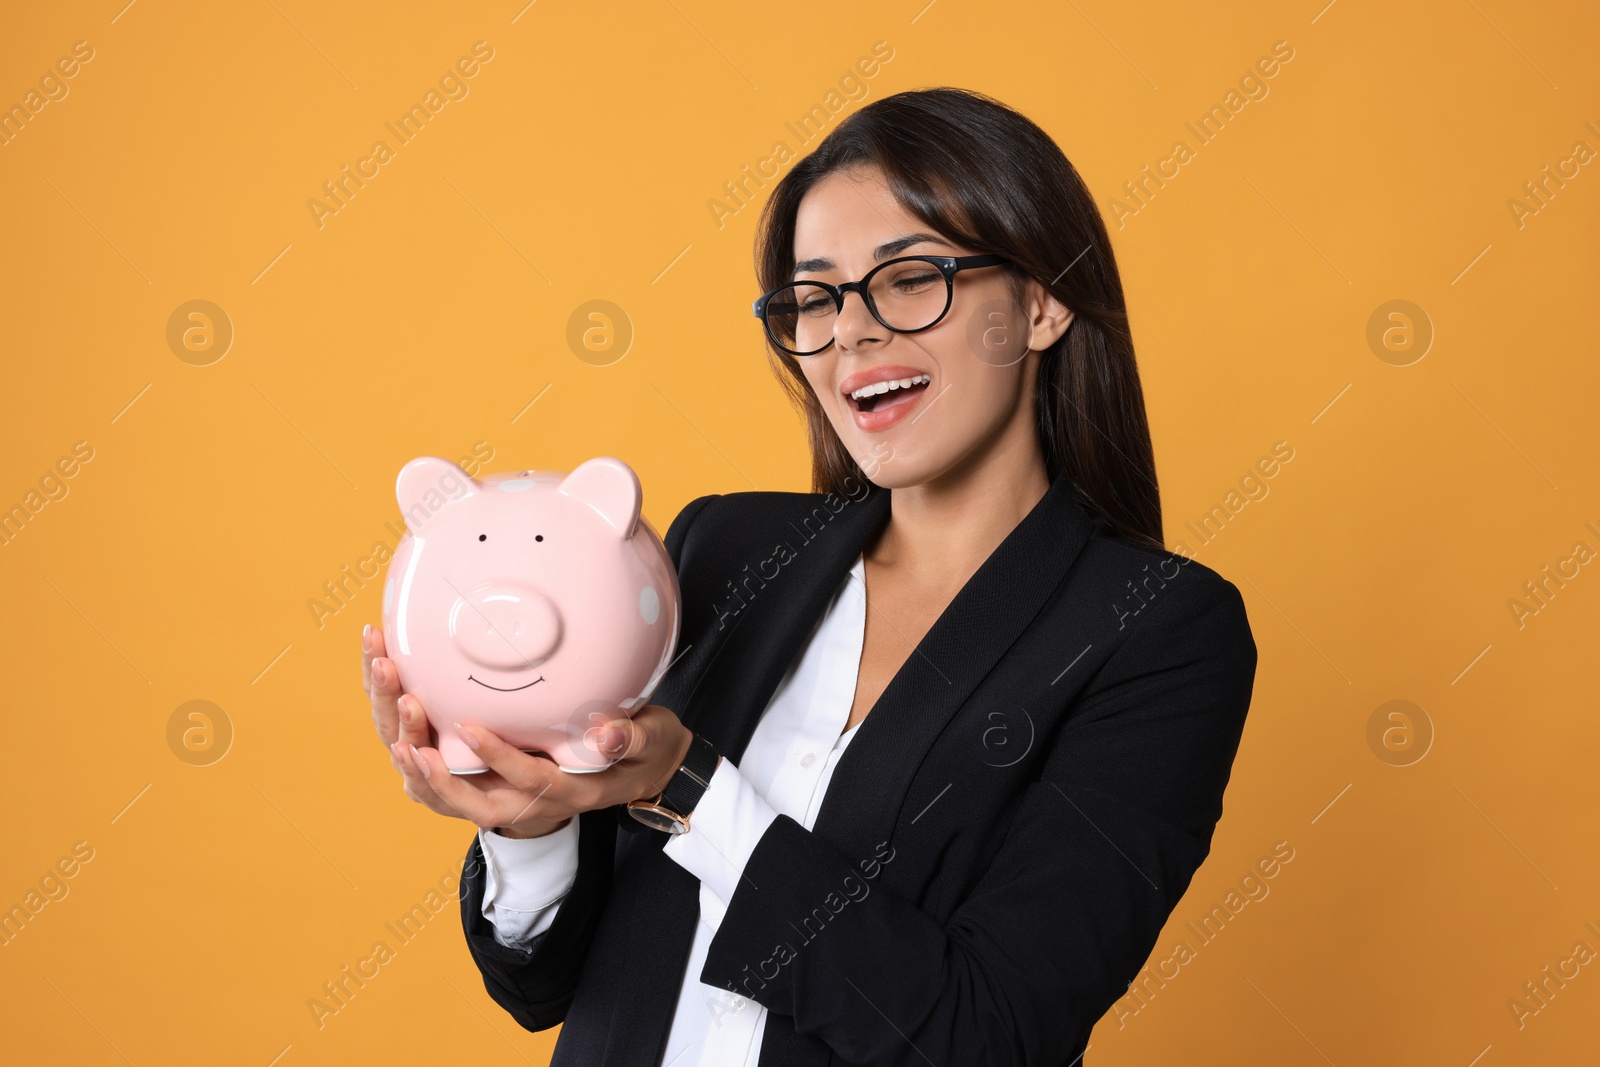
(882,252)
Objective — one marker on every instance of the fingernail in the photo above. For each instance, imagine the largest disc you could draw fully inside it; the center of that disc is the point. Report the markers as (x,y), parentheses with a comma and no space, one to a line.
(610,739)
(366,637)
(461,732)
(422,764)
(405,710)
(399,754)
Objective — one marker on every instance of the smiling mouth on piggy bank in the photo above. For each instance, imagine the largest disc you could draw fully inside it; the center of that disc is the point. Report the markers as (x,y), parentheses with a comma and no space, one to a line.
(514,689)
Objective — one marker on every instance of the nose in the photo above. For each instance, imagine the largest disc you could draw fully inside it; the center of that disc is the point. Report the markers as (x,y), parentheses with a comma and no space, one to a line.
(505,626)
(856,322)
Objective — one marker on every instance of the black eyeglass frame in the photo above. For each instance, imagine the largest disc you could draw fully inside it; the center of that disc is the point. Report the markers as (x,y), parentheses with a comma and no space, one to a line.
(949,267)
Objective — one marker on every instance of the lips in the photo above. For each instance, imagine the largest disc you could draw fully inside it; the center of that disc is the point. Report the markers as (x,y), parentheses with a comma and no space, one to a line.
(900,394)
(886,372)
(888,409)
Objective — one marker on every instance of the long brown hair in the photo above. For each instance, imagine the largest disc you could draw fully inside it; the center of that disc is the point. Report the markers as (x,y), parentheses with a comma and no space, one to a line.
(985,176)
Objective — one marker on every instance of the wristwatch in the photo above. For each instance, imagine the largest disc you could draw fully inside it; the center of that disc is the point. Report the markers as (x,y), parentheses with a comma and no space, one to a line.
(669,810)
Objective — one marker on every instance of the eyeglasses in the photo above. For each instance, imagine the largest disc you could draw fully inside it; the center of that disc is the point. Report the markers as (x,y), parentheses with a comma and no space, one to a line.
(906,295)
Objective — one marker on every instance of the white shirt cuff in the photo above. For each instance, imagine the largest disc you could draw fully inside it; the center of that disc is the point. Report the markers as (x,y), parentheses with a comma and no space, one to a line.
(525,880)
(724,828)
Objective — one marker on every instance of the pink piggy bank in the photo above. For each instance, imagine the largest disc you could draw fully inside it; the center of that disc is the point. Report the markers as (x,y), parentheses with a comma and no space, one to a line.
(537,604)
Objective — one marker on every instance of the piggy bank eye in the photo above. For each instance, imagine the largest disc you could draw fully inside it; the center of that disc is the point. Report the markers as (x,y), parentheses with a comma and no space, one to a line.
(483,537)
(538,537)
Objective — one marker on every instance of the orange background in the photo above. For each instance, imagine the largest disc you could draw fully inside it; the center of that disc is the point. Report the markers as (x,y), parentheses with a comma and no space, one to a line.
(430,315)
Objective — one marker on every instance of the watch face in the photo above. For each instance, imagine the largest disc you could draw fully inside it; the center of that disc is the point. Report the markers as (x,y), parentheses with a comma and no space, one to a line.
(657,820)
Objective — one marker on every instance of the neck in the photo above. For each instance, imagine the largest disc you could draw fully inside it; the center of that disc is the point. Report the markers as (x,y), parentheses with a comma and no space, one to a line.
(949,525)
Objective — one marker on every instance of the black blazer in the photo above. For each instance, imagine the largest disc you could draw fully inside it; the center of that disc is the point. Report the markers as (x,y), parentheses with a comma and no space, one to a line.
(999,846)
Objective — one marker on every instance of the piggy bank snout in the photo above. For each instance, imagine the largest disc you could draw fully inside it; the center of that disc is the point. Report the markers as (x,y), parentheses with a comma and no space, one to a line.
(505,626)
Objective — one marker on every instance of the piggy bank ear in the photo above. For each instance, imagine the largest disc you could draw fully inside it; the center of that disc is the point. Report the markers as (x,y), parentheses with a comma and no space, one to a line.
(427,484)
(610,487)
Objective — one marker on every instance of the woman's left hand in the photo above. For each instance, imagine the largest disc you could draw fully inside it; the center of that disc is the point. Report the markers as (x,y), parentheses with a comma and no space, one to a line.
(646,749)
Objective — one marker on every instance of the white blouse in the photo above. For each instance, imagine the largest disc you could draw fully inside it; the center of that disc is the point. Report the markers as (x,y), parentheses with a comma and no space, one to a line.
(785,770)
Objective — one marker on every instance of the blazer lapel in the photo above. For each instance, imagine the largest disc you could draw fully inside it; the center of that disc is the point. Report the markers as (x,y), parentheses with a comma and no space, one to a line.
(982,621)
(735,677)
(871,781)
(730,682)
(770,630)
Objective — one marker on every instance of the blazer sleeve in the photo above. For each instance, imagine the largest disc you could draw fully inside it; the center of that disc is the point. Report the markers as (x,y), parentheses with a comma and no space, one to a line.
(535,983)
(1097,855)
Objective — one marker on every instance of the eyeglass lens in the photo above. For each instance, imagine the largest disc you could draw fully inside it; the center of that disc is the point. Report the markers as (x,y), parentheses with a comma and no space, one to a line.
(908,296)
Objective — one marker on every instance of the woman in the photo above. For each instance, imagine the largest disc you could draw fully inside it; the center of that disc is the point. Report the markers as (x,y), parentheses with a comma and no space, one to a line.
(945,740)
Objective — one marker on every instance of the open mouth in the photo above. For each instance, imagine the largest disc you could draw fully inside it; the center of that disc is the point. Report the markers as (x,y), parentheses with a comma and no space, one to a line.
(513,689)
(895,394)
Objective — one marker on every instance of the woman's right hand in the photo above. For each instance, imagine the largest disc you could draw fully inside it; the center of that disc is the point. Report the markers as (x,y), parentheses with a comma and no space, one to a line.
(520,795)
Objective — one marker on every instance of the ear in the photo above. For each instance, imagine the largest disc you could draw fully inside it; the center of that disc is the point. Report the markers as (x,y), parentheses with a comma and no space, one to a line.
(610,487)
(1048,318)
(427,484)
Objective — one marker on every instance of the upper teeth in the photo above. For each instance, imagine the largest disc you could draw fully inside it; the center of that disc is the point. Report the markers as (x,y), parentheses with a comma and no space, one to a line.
(884,387)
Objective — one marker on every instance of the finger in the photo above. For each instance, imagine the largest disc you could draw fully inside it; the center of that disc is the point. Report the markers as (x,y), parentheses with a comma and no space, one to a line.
(461,799)
(633,738)
(656,742)
(384,692)
(626,742)
(419,785)
(530,773)
(617,739)
(413,720)
(372,645)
